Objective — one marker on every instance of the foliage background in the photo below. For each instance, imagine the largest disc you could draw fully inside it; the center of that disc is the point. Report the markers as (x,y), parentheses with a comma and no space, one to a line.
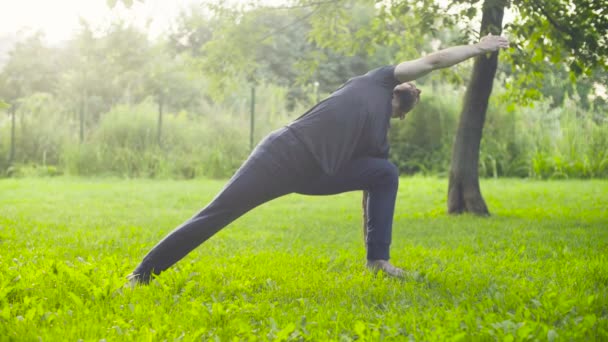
(92,105)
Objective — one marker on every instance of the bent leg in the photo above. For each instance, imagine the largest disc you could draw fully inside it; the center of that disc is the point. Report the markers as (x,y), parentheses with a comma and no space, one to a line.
(380,178)
(254,184)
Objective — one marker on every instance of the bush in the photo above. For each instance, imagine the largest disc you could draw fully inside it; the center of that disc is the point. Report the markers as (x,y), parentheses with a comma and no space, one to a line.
(33,170)
(39,133)
(536,141)
(211,144)
(570,143)
(213,140)
(422,142)
(126,144)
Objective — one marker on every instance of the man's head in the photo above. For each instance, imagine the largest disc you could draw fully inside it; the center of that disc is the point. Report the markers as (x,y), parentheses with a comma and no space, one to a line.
(405,97)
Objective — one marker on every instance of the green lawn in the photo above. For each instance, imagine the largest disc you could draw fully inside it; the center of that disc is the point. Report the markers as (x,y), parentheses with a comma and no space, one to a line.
(294,268)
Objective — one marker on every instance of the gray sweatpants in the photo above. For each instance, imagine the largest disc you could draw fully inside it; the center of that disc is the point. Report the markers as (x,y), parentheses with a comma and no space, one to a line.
(281,165)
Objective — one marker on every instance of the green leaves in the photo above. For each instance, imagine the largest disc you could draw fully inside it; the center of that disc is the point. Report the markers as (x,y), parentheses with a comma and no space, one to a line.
(4,105)
(579,33)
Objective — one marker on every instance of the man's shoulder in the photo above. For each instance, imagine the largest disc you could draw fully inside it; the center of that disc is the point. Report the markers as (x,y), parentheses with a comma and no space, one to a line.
(384,75)
(383,69)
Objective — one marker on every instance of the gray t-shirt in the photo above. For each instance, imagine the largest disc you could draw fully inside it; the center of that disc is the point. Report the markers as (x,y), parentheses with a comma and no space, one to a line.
(352,122)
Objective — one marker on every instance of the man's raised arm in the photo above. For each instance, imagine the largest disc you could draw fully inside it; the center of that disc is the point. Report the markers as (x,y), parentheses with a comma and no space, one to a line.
(411,70)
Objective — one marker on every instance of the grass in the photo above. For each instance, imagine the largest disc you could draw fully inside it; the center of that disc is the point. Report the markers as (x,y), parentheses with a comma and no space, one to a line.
(293,268)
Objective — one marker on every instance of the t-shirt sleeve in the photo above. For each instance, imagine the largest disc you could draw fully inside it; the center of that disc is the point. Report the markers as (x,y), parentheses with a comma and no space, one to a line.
(385,76)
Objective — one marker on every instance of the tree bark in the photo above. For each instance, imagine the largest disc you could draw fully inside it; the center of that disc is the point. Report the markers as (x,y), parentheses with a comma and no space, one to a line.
(160,121)
(83,108)
(11,157)
(464,194)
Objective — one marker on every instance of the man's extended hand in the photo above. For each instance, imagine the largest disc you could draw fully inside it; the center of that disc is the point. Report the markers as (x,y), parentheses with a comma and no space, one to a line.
(491,43)
(411,70)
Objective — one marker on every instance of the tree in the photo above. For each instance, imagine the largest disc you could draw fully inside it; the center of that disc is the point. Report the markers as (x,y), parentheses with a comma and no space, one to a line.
(192,30)
(572,32)
(548,31)
(100,71)
(11,112)
(126,50)
(277,49)
(169,82)
(557,87)
(552,31)
(79,79)
(31,67)
(463,189)
(41,124)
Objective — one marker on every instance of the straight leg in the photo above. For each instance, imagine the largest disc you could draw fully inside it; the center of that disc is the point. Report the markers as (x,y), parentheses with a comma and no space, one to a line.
(274,169)
(251,186)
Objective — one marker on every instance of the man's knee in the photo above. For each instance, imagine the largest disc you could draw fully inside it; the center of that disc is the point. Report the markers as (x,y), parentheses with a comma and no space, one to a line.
(389,173)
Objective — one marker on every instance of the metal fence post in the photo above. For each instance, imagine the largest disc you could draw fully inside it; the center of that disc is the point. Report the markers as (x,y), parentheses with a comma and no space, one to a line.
(252,118)
(11,157)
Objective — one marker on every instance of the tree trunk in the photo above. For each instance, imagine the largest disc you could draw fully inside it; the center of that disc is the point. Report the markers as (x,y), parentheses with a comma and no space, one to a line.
(160,121)
(464,194)
(83,107)
(11,157)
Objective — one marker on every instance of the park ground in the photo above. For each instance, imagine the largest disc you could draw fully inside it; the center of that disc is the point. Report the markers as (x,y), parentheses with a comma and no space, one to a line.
(293,269)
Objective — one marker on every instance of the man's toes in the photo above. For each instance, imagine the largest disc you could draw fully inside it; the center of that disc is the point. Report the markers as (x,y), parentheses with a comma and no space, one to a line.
(395,272)
(386,267)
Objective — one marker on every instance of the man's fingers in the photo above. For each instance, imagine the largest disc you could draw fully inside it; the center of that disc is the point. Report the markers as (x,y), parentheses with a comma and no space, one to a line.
(502,42)
(494,43)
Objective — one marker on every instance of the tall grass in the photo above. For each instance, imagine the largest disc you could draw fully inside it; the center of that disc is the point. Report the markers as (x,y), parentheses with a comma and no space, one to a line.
(125,144)
(537,141)
(577,147)
(212,140)
(422,142)
(42,126)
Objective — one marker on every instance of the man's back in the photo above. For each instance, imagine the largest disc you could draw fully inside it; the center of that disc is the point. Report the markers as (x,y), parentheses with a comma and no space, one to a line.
(352,122)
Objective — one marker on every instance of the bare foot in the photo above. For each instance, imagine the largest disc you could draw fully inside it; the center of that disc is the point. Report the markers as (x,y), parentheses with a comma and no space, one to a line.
(386,267)
(135,280)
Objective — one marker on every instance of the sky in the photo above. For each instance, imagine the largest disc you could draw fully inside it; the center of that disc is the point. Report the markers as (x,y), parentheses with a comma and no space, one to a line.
(59,19)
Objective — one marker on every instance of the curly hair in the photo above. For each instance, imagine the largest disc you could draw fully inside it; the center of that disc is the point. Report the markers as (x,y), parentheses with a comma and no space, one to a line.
(407,98)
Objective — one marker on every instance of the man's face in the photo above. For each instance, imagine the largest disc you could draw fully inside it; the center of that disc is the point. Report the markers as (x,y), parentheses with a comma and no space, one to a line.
(400,110)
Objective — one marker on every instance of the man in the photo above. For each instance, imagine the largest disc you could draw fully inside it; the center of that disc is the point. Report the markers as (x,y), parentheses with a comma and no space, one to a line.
(339,145)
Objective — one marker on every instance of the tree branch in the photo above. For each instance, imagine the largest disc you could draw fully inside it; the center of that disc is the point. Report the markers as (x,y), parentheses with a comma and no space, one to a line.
(553,22)
(298,20)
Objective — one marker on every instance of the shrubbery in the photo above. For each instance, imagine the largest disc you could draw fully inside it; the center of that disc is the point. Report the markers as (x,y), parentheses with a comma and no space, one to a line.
(538,141)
